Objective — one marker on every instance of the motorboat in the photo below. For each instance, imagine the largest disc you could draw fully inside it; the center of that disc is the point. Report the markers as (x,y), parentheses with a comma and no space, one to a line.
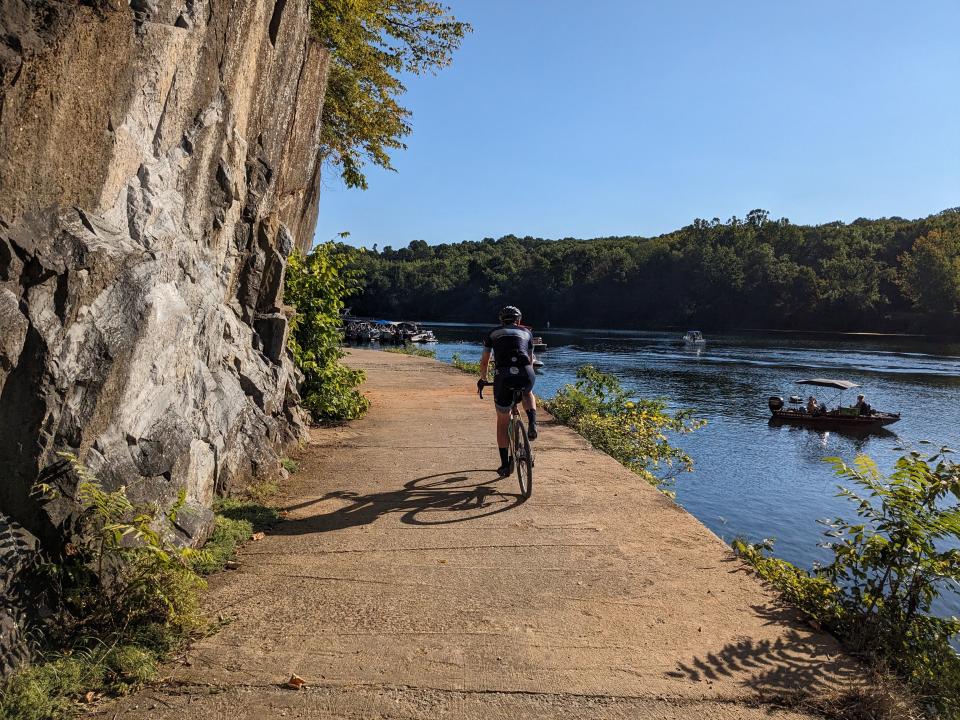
(796,411)
(538,344)
(693,337)
(423,336)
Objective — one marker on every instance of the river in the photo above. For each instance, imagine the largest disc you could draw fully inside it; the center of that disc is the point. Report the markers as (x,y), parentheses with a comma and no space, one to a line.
(752,479)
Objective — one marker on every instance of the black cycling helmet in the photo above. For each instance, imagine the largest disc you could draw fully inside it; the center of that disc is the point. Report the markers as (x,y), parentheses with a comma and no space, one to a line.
(510,312)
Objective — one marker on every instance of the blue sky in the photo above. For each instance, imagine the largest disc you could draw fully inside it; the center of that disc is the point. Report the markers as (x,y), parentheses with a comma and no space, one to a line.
(572,119)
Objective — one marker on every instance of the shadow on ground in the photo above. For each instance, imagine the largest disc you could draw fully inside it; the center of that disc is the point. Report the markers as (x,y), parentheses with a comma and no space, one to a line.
(440,499)
(775,668)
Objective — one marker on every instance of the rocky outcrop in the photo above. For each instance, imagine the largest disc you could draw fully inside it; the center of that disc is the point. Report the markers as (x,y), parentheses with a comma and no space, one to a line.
(158,162)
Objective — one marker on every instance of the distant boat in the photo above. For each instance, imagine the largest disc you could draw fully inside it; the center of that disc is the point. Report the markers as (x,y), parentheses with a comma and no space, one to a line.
(820,416)
(425,336)
(693,337)
(539,345)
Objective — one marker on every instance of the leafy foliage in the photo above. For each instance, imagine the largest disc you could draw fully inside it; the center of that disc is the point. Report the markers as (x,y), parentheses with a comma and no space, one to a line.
(889,273)
(412,350)
(316,284)
(632,431)
(473,368)
(236,520)
(372,43)
(930,274)
(888,567)
(123,568)
(126,595)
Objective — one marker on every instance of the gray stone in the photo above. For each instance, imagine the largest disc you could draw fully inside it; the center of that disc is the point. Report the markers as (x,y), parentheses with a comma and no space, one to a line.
(158,163)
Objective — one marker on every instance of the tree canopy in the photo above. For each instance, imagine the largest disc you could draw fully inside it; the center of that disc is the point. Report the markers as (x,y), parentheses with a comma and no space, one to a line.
(891,273)
(373,43)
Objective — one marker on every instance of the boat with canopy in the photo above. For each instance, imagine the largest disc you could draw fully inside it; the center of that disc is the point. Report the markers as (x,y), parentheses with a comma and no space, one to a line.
(816,414)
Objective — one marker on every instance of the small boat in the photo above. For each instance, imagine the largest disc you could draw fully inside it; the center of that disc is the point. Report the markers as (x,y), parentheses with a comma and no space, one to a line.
(425,336)
(537,363)
(693,337)
(539,345)
(847,418)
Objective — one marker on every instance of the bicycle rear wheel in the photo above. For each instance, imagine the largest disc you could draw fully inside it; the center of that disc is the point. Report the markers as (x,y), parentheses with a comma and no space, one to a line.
(523,458)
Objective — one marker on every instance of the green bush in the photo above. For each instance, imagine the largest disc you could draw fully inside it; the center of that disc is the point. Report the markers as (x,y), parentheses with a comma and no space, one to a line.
(469,367)
(316,284)
(887,569)
(633,432)
(412,350)
(127,595)
(235,521)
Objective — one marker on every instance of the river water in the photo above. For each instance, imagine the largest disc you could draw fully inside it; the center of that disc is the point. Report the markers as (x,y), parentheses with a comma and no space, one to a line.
(753,479)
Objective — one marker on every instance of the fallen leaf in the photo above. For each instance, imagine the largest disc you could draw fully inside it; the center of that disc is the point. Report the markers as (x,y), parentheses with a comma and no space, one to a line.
(284,513)
(258,536)
(296,682)
(90,696)
(70,549)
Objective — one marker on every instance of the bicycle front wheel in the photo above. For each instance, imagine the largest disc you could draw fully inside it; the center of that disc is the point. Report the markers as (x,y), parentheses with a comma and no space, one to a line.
(523,458)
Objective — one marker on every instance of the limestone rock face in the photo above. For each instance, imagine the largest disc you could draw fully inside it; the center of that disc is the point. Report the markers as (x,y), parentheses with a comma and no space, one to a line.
(158,163)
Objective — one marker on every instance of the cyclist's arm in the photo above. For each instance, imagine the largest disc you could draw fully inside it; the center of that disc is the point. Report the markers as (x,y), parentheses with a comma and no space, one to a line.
(484,363)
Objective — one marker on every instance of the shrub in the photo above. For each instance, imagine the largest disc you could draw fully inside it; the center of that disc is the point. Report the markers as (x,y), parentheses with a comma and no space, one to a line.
(632,431)
(469,367)
(412,350)
(887,569)
(126,594)
(316,284)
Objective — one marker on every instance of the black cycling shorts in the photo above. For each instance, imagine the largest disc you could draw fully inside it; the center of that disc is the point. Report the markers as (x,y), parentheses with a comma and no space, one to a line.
(508,379)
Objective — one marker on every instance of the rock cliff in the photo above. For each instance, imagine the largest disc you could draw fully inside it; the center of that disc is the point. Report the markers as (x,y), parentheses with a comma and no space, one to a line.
(158,162)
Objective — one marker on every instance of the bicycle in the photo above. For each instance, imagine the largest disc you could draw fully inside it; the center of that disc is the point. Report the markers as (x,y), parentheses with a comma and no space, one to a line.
(520,454)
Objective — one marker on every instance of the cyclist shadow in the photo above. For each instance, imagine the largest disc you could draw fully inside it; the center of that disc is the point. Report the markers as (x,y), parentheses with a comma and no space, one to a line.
(440,499)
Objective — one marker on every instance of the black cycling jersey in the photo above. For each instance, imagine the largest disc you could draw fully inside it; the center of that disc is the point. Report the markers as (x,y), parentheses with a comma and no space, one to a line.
(512,346)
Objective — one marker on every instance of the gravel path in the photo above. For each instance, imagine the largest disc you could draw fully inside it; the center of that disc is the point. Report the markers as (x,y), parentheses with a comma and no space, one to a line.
(409,582)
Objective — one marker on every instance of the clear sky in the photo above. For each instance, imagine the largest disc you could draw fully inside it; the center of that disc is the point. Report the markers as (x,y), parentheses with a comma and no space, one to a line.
(633,117)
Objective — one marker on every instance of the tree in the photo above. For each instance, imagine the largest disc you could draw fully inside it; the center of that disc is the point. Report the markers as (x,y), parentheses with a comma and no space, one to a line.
(930,272)
(372,42)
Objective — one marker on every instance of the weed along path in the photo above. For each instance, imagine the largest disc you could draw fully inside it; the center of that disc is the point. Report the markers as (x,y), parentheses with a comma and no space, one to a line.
(407,581)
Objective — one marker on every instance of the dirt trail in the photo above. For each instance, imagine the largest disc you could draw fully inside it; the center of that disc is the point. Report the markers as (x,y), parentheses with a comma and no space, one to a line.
(409,582)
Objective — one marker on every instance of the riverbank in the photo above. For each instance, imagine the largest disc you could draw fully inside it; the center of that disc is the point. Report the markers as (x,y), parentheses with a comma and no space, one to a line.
(408,581)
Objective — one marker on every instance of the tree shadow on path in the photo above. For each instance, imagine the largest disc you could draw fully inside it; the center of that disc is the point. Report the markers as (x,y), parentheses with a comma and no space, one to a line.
(440,499)
(794,664)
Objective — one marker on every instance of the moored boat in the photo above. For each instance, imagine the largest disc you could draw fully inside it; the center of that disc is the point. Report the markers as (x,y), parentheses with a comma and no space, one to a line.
(693,337)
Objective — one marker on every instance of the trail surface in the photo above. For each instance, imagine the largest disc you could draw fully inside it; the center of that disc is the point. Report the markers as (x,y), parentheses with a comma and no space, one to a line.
(409,582)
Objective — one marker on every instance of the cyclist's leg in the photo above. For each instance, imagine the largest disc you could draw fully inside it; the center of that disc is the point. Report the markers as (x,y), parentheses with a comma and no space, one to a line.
(530,403)
(502,400)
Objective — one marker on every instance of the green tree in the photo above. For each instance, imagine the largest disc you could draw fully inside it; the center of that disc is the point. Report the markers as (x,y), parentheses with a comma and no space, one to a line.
(317,284)
(930,273)
(373,42)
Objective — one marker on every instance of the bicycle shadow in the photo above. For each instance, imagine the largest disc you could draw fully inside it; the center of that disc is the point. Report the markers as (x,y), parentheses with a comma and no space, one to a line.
(440,499)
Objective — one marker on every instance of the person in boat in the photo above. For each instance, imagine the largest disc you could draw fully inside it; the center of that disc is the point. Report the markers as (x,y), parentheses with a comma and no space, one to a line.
(863,406)
(813,407)
(512,347)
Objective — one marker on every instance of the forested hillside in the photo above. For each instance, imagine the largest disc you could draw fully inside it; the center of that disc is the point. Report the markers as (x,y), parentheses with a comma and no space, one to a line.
(887,274)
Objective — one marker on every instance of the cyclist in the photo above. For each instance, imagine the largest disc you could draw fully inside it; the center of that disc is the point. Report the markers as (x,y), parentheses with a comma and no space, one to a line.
(512,348)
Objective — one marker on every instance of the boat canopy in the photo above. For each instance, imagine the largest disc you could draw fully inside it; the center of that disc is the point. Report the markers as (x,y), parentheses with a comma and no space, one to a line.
(821,382)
